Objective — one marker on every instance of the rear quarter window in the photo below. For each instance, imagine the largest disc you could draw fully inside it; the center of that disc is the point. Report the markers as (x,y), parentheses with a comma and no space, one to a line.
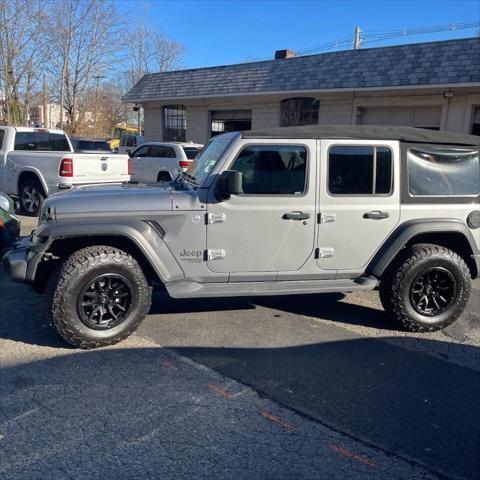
(2,136)
(191,152)
(443,171)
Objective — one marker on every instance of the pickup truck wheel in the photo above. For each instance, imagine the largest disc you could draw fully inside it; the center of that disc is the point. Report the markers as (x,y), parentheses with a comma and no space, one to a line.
(164,177)
(98,297)
(430,289)
(31,197)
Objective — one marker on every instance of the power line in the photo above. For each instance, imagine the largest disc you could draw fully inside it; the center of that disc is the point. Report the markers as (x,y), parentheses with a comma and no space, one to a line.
(374,36)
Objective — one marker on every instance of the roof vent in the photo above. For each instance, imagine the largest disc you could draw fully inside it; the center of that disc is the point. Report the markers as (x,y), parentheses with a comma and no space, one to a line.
(284,54)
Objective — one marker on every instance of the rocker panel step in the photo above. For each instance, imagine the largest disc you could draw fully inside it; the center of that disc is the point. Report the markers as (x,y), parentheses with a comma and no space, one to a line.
(185,289)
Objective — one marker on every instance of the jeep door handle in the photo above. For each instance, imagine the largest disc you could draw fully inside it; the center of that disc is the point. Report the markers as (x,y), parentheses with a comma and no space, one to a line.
(376,215)
(296,216)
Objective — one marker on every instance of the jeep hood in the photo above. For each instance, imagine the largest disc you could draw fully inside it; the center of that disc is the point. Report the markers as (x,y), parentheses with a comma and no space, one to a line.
(114,198)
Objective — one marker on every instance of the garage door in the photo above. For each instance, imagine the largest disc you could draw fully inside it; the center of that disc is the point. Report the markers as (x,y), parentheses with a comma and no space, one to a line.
(423,117)
(230,121)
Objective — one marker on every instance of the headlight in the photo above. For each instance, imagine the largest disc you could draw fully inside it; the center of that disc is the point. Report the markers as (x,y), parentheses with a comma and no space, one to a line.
(5,203)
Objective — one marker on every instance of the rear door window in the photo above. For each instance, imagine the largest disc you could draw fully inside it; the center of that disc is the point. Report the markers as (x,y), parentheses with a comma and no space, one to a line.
(161,151)
(443,171)
(359,170)
(2,136)
(42,141)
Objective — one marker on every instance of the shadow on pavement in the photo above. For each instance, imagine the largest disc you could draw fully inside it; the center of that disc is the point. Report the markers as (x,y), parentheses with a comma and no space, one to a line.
(27,321)
(145,413)
(397,399)
(327,306)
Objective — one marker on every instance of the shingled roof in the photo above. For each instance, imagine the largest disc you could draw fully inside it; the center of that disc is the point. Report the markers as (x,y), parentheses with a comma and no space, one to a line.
(434,63)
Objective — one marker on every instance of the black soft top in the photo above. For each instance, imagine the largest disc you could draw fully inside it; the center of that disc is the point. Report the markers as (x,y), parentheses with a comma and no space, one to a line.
(367,132)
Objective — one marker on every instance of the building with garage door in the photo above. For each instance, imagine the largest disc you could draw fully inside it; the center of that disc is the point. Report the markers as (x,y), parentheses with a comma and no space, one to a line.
(433,85)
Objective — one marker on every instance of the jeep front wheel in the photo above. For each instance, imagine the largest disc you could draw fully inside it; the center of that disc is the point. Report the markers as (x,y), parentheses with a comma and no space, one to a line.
(98,297)
(430,289)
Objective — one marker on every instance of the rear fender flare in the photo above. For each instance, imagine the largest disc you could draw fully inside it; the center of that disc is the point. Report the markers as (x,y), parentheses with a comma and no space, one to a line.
(410,229)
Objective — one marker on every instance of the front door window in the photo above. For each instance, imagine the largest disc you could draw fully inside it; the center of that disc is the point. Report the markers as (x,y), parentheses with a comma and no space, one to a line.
(272,170)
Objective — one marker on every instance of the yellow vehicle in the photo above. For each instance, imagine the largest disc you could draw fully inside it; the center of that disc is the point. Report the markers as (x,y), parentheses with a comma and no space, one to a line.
(117,133)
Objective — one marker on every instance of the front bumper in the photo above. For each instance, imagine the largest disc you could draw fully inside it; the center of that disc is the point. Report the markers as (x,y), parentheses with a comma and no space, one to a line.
(15,264)
(20,262)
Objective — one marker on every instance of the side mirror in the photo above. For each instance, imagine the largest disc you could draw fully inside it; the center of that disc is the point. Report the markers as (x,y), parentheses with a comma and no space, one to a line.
(229,183)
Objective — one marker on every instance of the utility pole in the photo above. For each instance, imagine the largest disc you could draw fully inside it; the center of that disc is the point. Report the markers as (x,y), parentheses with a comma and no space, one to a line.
(357,40)
(97,77)
(45,119)
(62,83)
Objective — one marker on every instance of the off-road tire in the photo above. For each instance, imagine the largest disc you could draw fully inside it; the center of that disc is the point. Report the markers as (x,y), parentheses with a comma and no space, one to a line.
(37,187)
(67,282)
(395,287)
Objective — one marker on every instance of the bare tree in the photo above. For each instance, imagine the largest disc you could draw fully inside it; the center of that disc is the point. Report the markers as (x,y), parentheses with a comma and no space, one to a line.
(148,50)
(151,51)
(68,46)
(86,34)
(22,27)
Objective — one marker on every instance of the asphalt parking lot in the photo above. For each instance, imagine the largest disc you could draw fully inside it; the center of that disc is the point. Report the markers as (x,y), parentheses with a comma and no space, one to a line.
(318,386)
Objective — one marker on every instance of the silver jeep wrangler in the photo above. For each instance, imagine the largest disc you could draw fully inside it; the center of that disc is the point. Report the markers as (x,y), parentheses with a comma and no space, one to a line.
(279,212)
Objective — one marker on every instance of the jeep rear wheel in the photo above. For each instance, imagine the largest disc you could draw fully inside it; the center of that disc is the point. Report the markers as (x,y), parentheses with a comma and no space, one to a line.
(429,290)
(98,297)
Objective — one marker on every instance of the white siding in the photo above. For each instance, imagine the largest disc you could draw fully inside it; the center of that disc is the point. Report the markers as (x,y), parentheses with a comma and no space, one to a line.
(198,128)
(335,113)
(265,115)
(153,124)
(396,107)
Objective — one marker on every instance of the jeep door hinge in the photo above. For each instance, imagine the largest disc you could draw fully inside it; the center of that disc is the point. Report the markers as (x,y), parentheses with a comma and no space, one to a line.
(215,218)
(326,217)
(217,254)
(326,252)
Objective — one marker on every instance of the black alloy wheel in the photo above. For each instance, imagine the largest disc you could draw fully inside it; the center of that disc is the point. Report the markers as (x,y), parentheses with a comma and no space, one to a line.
(433,291)
(104,302)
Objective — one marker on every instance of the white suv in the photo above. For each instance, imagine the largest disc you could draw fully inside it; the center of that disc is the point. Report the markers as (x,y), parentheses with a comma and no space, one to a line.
(162,161)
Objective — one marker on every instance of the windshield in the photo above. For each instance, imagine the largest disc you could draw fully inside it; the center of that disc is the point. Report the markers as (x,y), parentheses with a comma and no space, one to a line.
(209,156)
(191,152)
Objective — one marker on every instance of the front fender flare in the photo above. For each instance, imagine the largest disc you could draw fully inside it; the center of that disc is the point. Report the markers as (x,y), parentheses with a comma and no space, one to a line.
(145,238)
(409,230)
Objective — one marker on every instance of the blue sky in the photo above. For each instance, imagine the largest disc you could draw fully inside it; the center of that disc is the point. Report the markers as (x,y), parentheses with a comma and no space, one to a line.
(223,31)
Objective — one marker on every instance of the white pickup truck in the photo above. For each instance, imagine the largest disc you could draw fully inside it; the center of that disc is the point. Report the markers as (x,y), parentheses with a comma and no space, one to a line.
(36,162)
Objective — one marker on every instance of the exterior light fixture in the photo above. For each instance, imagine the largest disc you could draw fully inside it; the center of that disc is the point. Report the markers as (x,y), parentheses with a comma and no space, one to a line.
(448,93)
